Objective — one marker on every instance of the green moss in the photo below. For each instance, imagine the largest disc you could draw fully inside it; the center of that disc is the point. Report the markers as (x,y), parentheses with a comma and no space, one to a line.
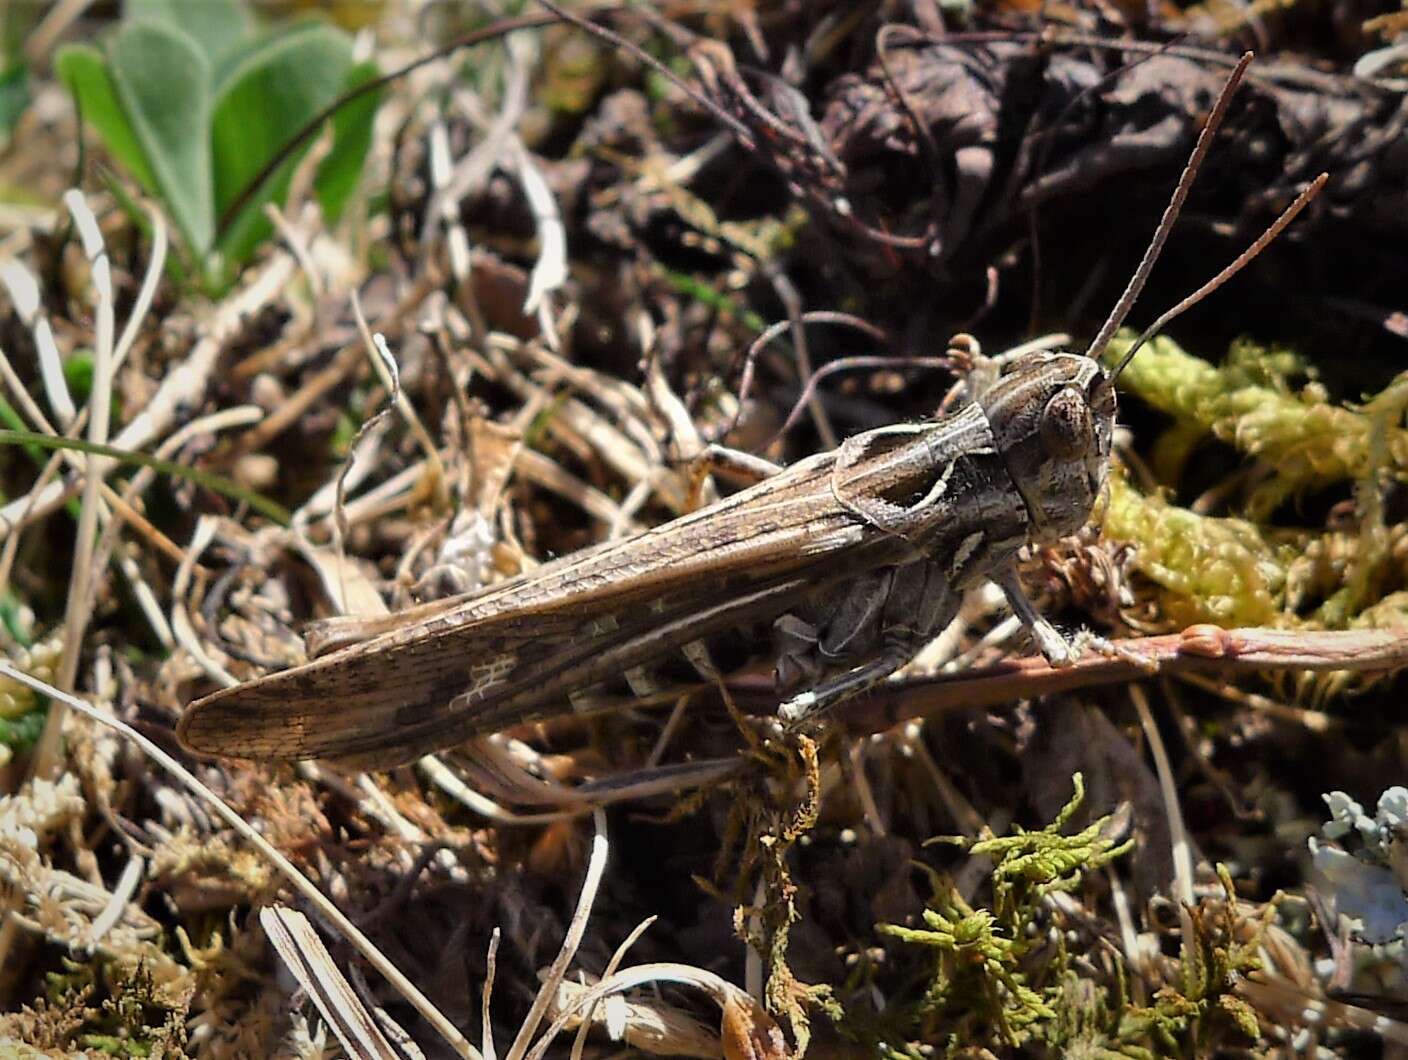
(1002,976)
(997,972)
(1303,439)
(1207,569)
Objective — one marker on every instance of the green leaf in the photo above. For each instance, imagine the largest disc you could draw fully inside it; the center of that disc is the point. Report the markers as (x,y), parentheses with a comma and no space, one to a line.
(14,98)
(260,106)
(216,26)
(340,172)
(85,72)
(163,81)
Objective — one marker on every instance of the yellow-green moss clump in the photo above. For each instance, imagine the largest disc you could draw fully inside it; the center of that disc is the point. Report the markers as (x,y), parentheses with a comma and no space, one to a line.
(1236,570)
(1305,441)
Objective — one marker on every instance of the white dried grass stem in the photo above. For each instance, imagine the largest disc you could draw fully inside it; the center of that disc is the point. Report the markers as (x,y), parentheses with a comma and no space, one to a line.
(596,866)
(491,963)
(448,781)
(550,270)
(26,404)
(471,171)
(390,375)
(1129,934)
(122,893)
(184,386)
(358,466)
(377,802)
(579,1044)
(78,607)
(298,245)
(146,598)
(181,626)
(24,293)
(238,416)
(156,262)
(224,420)
(442,207)
(393,495)
(715,986)
(1000,634)
(1168,789)
(542,470)
(304,954)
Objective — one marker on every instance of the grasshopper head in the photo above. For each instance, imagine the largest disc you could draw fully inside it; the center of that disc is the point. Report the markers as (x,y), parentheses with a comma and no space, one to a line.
(1052,416)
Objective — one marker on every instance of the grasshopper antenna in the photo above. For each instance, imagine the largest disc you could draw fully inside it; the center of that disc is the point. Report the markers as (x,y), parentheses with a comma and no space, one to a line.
(1302,201)
(1185,181)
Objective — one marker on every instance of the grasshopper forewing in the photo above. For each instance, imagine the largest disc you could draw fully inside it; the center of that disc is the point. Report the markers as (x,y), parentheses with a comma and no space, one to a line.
(517,651)
(854,558)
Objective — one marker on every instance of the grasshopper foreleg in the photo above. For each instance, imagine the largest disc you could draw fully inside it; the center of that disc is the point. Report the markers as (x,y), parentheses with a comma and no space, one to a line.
(1049,642)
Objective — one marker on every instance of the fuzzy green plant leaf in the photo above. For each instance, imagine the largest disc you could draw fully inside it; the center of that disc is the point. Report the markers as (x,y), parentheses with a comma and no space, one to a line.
(217,27)
(341,171)
(84,70)
(195,105)
(163,82)
(263,101)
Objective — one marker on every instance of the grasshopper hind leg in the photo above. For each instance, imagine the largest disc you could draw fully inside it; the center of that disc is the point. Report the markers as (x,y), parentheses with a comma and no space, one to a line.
(880,621)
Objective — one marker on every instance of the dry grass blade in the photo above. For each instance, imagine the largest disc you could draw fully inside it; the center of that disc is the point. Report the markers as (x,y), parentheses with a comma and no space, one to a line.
(595,867)
(307,958)
(737,1009)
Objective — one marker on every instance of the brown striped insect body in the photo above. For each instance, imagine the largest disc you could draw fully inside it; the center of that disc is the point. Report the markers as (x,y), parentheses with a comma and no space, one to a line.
(854,558)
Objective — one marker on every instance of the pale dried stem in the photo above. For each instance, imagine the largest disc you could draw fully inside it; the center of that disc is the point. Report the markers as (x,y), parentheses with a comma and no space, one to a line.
(388,372)
(580,1043)
(181,626)
(1173,811)
(1316,721)
(719,989)
(450,782)
(305,956)
(491,963)
(47,753)
(596,866)
(183,387)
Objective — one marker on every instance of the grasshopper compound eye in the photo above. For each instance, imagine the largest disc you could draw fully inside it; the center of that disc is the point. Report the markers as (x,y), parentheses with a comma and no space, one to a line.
(1066,427)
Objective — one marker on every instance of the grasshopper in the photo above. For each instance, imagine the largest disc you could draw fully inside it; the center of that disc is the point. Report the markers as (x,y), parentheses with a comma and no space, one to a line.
(855,557)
